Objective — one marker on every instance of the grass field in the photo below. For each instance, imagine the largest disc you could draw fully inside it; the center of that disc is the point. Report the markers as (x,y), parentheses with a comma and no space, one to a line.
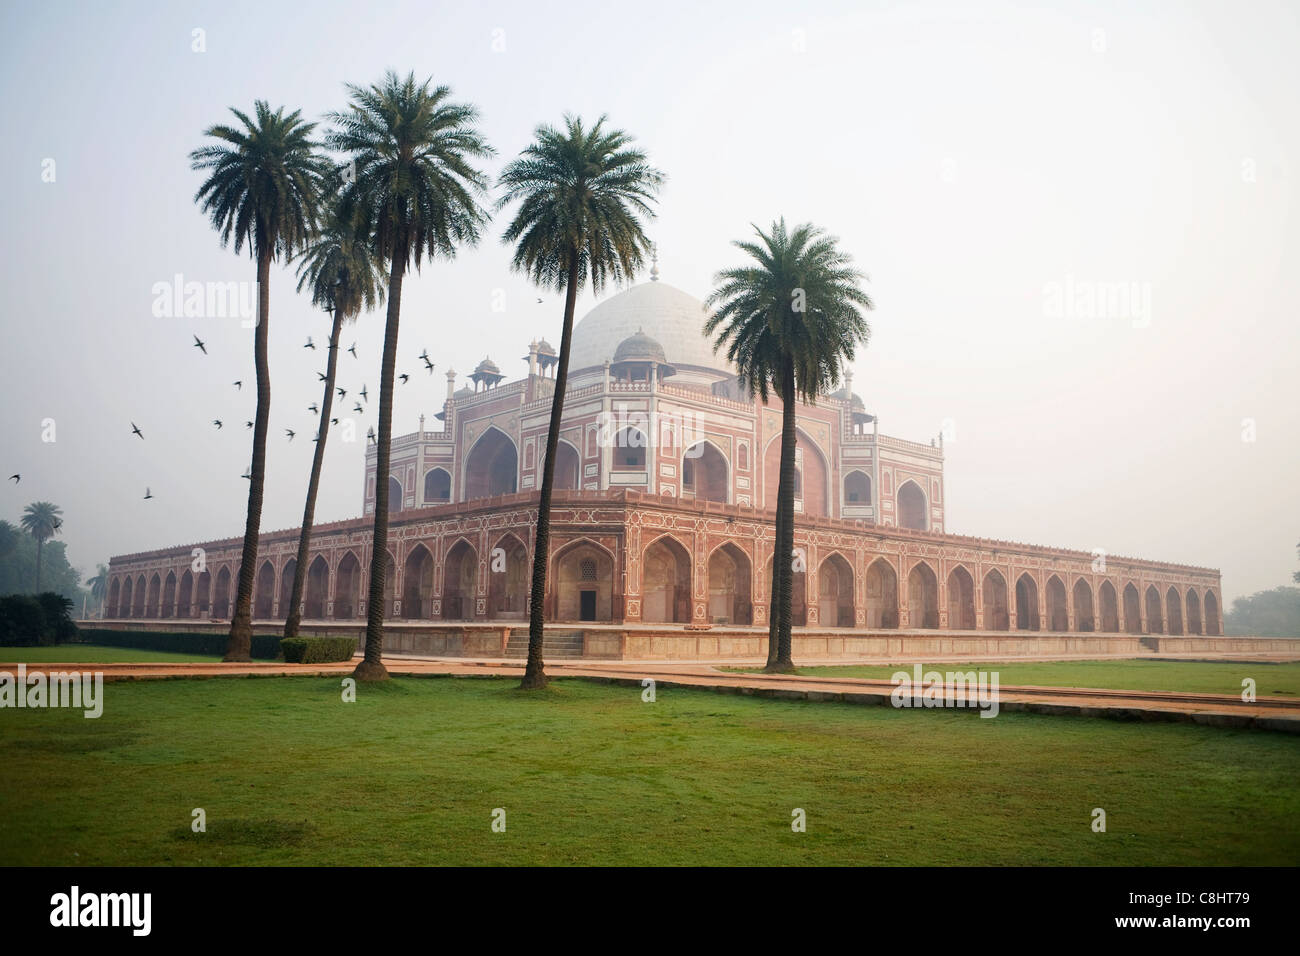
(1205,677)
(94,654)
(288,773)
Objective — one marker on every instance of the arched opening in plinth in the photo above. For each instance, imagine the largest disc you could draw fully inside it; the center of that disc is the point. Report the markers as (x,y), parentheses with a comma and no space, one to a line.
(835,592)
(185,596)
(666,583)
(1211,614)
(264,592)
(961,600)
(1084,619)
(221,595)
(882,595)
(492,467)
(798,587)
(705,475)
(316,589)
(912,509)
(1027,603)
(286,586)
(138,603)
(112,607)
(997,614)
(509,579)
(1058,615)
(729,586)
(1109,608)
(1174,607)
(169,596)
(203,593)
(1155,619)
(584,583)
(347,588)
(1193,612)
(1132,609)
(155,592)
(923,596)
(460,582)
(417,584)
(124,606)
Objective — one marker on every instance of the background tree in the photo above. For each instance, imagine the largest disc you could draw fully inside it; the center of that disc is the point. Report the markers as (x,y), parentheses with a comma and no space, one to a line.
(416,190)
(582,195)
(42,521)
(98,585)
(264,192)
(789,322)
(344,278)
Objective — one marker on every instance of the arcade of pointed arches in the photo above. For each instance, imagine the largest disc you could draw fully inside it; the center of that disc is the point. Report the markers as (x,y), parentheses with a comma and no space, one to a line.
(456,577)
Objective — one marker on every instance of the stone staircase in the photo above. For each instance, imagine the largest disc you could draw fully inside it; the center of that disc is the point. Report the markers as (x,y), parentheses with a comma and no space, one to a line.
(554,645)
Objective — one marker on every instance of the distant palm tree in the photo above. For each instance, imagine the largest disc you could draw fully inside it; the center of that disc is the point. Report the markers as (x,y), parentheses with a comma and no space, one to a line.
(8,539)
(583,195)
(42,521)
(417,193)
(99,585)
(264,190)
(790,322)
(344,278)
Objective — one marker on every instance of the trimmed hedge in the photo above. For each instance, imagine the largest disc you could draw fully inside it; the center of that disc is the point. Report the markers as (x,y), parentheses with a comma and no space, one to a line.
(266,647)
(318,650)
(27,620)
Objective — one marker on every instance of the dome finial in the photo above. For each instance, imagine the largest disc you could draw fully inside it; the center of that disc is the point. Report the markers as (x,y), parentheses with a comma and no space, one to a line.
(654,260)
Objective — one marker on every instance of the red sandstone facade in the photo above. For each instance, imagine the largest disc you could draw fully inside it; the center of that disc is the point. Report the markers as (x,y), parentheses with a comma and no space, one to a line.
(667,478)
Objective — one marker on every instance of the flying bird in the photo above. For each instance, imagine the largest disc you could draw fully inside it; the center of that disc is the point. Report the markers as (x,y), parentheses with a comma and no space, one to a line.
(424,356)
(363,393)
(320,376)
(404,377)
(353,349)
(343,392)
(239,385)
(147,493)
(15,478)
(135,430)
(310,344)
(357,407)
(217,422)
(539,301)
(248,424)
(334,421)
(198,344)
(290,432)
(248,474)
(429,366)
(313,408)
(371,435)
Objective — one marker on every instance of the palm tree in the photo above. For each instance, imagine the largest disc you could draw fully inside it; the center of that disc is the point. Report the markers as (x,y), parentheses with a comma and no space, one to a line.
(264,191)
(344,278)
(417,193)
(791,322)
(99,585)
(42,521)
(582,197)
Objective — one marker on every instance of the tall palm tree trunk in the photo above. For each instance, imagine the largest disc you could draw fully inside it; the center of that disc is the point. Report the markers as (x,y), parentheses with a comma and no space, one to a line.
(372,665)
(40,546)
(534,676)
(294,619)
(240,643)
(783,558)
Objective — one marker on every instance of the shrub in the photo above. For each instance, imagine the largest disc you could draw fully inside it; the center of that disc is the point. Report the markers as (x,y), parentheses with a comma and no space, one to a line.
(318,650)
(22,621)
(58,616)
(266,647)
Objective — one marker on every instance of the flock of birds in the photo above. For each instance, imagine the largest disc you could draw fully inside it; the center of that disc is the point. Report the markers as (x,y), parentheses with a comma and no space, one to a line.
(314,407)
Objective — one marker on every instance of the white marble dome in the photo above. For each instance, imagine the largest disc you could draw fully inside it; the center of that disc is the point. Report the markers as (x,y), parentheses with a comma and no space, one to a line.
(673,318)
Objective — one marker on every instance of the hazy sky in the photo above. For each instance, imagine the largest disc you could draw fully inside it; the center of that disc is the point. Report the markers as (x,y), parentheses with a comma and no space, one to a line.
(993,167)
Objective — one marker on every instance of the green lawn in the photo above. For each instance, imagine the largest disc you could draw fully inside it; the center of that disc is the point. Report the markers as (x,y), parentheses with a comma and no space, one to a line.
(587,773)
(1208,677)
(94,654)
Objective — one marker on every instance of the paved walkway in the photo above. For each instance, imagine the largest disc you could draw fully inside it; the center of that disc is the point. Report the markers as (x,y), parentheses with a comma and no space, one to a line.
(1271,713)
